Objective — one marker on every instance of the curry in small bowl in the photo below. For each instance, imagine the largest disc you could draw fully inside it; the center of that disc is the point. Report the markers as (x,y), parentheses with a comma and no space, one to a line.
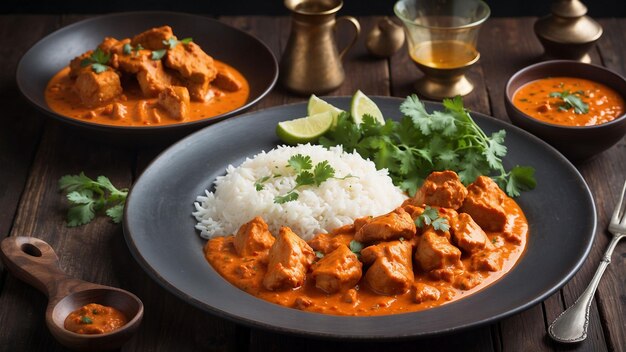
(578,108)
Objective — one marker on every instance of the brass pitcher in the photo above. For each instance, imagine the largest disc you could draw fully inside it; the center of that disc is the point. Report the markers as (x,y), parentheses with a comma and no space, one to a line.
(311,62)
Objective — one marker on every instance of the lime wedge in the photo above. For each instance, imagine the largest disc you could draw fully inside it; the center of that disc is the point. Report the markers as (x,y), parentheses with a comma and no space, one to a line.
(305,129)
(362,105)
(317,105)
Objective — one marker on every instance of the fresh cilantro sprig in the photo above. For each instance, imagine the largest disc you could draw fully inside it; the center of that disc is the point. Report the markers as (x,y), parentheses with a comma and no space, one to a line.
(169,44)
(306,175)
(128,49)
(356,248)
(302,165)
(423,142)
(571,101)
(430,216)
(89,197)
(98,61)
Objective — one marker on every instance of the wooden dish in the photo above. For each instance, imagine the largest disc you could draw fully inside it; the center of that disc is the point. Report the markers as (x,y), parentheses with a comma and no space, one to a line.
(34,262)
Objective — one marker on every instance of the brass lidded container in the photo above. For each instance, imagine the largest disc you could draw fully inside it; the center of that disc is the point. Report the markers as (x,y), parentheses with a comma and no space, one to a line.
(568,33)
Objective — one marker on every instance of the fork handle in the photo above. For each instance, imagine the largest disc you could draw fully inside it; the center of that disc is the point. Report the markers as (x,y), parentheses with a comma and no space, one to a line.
(571,325)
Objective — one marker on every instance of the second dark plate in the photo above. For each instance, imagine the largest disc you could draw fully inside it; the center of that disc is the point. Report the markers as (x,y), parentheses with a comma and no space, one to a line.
(225,43)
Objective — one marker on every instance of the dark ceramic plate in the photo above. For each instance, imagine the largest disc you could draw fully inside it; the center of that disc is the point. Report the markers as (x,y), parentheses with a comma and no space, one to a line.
(238,49)
(160,232)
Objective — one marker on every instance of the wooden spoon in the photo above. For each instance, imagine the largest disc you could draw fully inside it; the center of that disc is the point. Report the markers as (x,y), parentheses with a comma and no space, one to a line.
(34,262)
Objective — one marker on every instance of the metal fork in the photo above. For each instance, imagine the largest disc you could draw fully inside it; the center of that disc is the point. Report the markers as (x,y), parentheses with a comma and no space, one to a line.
(571,325)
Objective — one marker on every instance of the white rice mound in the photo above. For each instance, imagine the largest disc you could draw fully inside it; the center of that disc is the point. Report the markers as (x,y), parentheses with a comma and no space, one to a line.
(318,209)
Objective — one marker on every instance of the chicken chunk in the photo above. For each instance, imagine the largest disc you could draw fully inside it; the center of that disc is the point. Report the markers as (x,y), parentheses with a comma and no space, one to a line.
(289,259)
(76,65)
(485,204)
(226,81)
(327,243)
(175,100)
(253,238)
(436,252)
(467,281)
(423,293)
(134,63)
(387,227)
(195,66)
(468,235)
(486,260)
(391,270)
(338,271)
(153,79)
(442,189)
(152,39)
(113,46)
(97,89)
(413,210)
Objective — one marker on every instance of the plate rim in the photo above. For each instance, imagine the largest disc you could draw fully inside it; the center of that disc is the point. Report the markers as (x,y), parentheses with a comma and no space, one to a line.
(20,76)
(136,253)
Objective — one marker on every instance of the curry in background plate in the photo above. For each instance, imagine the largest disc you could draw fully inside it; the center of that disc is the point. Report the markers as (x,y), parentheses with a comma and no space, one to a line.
(569,101)
(385,264)
(152,79)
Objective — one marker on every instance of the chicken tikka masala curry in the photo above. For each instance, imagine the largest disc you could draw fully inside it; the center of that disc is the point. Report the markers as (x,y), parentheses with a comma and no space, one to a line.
(446,242)
(151,79)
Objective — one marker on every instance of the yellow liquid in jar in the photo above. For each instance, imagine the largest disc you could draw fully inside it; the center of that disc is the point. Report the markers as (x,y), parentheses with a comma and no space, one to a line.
(444,54)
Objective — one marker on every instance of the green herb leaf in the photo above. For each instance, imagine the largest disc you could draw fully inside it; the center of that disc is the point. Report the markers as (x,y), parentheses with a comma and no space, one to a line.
(571,100)
(258,185)
(356,247)
(116,213)
(430,216)
(423,142)
(186,40)
(88,197)
(158,54)
(286,198)
(127,49)
(98,61)
(85,320)
(171,43)
(99,68)
(300,162)
(322,172)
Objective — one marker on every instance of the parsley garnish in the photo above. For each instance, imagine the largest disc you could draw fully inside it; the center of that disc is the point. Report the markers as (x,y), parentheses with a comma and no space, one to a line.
(356,248)
(170,44)
(302,165)
(571,100)
(89,197)
(430,216)
(98,60)
(128,49)
(85,320)
(423,142)
(158,54)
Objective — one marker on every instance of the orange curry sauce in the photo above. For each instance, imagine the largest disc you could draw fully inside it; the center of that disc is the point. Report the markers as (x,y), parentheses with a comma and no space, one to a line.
(61,98)
(534,99)
(247,274)
(95,319)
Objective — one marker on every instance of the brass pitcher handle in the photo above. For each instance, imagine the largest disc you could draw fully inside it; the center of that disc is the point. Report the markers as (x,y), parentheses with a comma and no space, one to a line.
(357,29)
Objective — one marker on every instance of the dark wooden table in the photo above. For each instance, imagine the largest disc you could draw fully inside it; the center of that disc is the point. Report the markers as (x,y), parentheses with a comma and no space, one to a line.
(35,152)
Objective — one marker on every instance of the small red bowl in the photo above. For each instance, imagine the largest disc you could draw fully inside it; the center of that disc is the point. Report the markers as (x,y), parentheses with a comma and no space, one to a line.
(577,143)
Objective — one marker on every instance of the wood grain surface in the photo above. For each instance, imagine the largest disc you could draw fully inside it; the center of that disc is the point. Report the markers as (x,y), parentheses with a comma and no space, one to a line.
(35,152)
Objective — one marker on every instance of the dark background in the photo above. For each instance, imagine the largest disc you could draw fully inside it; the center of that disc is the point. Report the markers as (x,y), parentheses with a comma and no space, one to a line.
(500,8)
